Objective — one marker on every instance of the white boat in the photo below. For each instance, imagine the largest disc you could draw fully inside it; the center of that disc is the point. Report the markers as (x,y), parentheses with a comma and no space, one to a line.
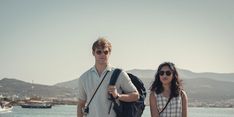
(5,109)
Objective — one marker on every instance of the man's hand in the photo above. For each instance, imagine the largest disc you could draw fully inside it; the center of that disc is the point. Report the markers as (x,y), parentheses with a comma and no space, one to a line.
(113,91)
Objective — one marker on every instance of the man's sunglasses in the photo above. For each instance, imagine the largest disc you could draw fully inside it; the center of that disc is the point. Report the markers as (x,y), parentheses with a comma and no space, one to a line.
(99,52)
(168,73)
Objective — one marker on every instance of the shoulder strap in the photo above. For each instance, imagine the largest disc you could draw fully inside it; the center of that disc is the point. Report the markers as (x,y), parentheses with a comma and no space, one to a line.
(97,89)
(165,105)
(113,80)
(115,76)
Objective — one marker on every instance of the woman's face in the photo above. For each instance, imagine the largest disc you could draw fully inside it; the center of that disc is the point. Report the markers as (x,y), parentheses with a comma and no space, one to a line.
(165,75)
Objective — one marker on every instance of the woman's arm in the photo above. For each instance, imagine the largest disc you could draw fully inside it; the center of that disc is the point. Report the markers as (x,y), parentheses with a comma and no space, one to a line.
(153,105)
(184,104)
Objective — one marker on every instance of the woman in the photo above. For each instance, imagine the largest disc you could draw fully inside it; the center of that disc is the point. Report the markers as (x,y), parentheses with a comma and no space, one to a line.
(167,99)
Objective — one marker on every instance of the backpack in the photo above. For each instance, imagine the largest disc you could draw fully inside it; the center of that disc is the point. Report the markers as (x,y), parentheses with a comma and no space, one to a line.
(129,109)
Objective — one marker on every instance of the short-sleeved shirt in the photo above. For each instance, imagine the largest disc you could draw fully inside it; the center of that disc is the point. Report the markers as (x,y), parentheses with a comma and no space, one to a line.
(174,107)
(100,104)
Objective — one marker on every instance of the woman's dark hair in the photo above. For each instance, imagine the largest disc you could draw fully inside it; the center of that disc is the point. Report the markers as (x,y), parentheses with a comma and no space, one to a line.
(176,85)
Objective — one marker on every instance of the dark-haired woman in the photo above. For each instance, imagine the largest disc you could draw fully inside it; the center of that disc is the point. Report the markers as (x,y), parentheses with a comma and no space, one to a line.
(167,99)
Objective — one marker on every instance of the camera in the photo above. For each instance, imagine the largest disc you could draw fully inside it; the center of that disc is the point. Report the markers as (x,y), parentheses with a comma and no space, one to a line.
(86,110)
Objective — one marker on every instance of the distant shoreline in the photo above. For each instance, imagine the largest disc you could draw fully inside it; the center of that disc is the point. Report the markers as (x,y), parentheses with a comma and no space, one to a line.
(205,106)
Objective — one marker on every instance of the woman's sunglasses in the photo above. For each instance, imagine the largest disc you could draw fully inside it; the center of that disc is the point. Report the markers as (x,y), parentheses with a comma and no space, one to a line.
(99,52)
(168,73)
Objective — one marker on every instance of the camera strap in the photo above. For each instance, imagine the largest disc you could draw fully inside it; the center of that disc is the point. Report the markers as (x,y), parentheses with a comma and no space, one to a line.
(96,90)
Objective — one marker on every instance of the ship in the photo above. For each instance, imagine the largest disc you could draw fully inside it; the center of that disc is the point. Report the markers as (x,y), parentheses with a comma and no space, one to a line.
(36,104)
(5,107)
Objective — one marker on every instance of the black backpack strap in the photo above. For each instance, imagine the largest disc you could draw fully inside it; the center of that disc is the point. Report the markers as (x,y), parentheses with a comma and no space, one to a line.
(115,76)
(113,80)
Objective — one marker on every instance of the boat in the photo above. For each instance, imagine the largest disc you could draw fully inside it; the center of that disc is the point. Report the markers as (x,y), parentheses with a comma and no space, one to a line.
(5,106)
(5,109)
(36,104)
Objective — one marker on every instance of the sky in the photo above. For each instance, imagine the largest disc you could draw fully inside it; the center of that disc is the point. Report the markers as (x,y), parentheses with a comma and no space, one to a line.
(49,41)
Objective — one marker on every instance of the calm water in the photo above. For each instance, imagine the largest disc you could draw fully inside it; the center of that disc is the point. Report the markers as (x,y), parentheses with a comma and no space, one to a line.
(70,111)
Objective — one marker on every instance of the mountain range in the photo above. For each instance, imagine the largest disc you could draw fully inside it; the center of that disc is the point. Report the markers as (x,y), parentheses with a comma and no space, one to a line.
(148,75)
(201,87)
(21,89)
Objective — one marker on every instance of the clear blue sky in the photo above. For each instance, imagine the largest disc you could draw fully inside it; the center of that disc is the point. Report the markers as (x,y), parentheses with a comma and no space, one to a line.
(49,41)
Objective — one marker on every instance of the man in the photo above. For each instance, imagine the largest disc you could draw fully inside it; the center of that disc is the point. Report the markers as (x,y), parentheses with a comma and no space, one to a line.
(89,81)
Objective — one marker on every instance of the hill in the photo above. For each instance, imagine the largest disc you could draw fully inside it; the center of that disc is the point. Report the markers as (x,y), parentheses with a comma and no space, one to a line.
(208,90)
(186,74)
(203,89)
(19,88)
(69,84)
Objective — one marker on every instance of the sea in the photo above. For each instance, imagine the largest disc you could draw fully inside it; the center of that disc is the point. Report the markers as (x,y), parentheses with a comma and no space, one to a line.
(70,111)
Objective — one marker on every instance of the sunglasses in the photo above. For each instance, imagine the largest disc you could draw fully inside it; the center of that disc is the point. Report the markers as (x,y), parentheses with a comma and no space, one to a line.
(99,52)
(168,73)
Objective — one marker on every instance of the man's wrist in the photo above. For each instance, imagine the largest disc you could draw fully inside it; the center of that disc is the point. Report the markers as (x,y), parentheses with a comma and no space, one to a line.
(117,96)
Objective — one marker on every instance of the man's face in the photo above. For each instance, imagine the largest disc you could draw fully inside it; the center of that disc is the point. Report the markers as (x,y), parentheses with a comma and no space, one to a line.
(101,55)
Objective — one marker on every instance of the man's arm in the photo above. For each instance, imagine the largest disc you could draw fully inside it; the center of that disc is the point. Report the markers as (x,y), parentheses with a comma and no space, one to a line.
(129,97)
(80,105)
(131,94)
